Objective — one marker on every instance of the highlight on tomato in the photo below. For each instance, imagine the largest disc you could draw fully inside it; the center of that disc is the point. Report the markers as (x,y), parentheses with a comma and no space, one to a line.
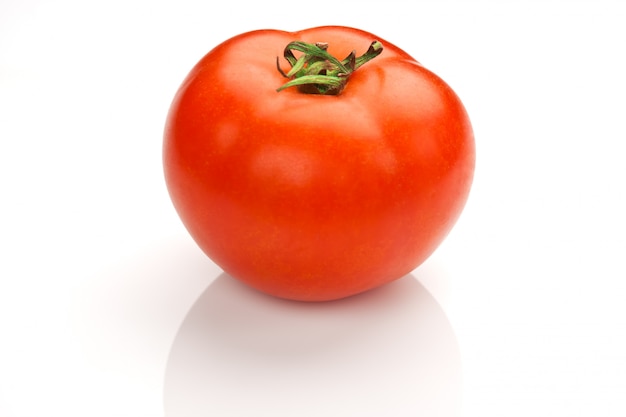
(318,164)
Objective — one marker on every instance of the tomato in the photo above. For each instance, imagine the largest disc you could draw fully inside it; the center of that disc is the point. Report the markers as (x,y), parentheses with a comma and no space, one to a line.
(330,186)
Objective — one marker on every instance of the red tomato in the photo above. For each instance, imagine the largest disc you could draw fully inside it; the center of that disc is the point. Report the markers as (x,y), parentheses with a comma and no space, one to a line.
(316,196)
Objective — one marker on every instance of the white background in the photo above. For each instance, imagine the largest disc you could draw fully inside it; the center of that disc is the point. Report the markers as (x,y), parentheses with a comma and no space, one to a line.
(107,308)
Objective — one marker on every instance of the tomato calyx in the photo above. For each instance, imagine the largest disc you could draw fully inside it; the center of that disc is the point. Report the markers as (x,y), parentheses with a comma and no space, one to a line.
(318,72)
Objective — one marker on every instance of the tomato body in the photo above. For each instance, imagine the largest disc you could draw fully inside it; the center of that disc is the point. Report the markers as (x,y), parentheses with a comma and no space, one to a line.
(314,197)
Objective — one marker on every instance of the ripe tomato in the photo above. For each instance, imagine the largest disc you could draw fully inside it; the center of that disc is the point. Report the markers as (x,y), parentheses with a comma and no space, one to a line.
(316,196)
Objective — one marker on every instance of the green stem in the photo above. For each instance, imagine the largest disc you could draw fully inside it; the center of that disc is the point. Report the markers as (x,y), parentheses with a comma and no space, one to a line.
(318,72)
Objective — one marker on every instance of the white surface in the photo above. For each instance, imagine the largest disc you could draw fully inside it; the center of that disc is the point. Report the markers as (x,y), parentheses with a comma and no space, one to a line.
(108,309)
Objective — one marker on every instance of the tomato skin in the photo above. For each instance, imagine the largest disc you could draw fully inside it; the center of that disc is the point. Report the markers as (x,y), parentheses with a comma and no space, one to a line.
(312,197)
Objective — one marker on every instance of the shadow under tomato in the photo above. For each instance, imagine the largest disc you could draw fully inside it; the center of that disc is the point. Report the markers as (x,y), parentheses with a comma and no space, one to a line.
(390,351)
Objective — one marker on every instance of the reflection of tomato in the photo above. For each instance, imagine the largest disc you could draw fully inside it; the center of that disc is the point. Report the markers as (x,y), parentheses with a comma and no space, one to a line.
(316,196)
